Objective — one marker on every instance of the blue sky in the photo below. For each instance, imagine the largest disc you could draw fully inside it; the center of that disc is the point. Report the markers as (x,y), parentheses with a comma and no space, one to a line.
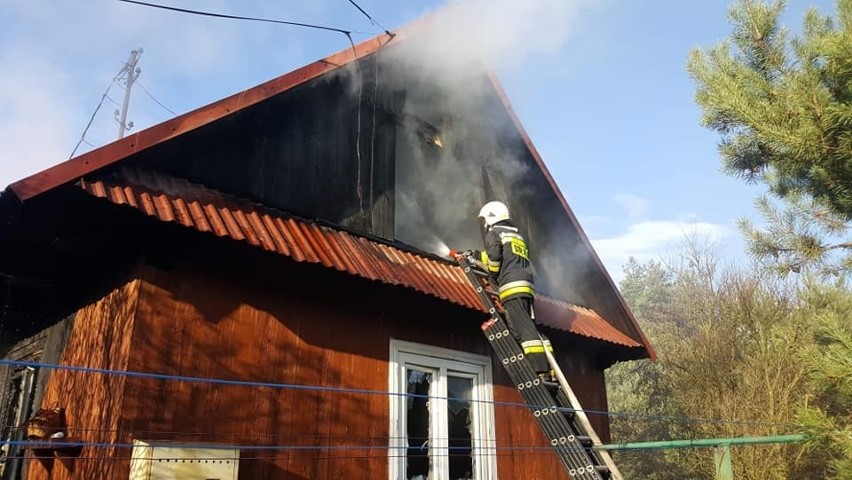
(600,87)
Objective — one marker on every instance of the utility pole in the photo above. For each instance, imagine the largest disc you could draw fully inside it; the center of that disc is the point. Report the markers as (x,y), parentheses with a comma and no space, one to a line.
(132,73)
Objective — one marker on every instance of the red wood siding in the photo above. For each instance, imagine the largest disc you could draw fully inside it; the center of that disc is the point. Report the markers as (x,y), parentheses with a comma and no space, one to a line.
(589,384)
(100,338)
(197,324)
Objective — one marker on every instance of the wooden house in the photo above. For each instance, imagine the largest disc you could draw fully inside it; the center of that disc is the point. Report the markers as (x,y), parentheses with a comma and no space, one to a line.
(253,288)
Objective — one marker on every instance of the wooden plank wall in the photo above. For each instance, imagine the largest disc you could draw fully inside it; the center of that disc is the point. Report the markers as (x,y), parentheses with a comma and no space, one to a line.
(99,338)
(589,383)
(193,325)
(200,324)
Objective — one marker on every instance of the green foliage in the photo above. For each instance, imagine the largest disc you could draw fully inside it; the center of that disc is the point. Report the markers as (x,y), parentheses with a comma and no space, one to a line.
(728,342)
(797,237)
(642,386)
(783,108)
(828,415)
(741,352)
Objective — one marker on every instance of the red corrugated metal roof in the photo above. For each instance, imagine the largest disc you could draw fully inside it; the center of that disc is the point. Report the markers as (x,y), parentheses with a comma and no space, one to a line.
(174,200)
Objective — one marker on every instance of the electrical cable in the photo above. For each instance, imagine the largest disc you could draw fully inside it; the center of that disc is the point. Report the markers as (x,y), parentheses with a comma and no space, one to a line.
(358,191)
(240,17)
(291,451)
(371,18)
(289,386)
(248,447)
(154,98)
(100,103)
(540,451)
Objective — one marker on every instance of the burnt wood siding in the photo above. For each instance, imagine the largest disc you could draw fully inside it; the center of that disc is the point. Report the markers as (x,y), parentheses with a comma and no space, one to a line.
(43,347)
(357,157)
(446,187)
(304,151)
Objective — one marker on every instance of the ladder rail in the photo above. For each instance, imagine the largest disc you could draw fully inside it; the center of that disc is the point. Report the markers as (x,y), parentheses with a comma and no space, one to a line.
(581,416)
(568,447)
(566,432)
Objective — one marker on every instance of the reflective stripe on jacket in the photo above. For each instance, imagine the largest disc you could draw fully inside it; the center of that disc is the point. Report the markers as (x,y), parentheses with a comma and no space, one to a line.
(536,346)
(507,258)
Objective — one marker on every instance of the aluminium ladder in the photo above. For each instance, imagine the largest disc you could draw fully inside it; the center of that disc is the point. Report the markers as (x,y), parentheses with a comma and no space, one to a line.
(558,413)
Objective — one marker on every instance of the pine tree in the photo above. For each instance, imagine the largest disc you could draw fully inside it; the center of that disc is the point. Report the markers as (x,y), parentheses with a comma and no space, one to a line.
(783,108)
(828,415)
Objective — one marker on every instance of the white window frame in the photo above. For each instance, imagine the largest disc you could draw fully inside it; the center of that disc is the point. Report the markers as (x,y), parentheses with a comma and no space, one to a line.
(441,361)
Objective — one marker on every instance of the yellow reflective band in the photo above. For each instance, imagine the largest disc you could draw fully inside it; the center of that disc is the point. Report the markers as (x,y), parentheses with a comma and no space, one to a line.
(537,349)
(483,256)
(491,264)
(516,290)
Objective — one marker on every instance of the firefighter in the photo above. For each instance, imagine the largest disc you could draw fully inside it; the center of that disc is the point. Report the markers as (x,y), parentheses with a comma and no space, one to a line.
(507,259)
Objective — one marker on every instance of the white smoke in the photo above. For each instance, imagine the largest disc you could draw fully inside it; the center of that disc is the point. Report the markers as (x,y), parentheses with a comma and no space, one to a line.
(503,34)
(453,128)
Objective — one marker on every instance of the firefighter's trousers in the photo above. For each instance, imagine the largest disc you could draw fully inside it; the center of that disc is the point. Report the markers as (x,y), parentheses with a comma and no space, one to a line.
(519,316)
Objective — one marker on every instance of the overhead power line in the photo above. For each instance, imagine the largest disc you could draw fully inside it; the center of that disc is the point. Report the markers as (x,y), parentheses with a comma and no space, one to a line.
(240,17)
(155,98)
(370,18)
(100,104)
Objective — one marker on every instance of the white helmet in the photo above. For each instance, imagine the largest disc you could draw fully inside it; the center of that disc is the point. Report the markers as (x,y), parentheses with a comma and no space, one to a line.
(493,212)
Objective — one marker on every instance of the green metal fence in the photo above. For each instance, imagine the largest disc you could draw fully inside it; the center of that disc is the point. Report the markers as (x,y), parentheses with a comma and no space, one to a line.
(721,448)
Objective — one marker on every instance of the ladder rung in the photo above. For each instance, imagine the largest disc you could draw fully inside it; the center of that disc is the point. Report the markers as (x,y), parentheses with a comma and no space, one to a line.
(557,427)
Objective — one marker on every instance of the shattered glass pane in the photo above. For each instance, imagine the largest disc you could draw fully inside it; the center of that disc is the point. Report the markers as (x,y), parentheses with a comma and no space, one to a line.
(418,463)
(459,425)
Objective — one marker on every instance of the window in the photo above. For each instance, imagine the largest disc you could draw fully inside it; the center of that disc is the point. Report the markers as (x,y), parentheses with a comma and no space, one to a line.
(442,414)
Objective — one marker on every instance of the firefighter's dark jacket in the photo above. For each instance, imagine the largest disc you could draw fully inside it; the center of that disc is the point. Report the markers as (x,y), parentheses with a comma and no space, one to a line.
(507,259)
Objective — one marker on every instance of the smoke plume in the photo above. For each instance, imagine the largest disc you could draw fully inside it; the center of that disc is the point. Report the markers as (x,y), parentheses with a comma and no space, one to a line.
(456,147)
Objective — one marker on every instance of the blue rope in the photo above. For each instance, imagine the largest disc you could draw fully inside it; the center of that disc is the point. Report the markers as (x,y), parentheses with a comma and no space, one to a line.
(292,386)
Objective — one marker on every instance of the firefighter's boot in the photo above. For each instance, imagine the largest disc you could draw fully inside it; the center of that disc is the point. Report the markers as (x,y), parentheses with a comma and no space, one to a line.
(548,379)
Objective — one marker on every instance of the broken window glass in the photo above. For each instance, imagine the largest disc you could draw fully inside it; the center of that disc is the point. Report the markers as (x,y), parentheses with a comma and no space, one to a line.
(458,426)
(418,463)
